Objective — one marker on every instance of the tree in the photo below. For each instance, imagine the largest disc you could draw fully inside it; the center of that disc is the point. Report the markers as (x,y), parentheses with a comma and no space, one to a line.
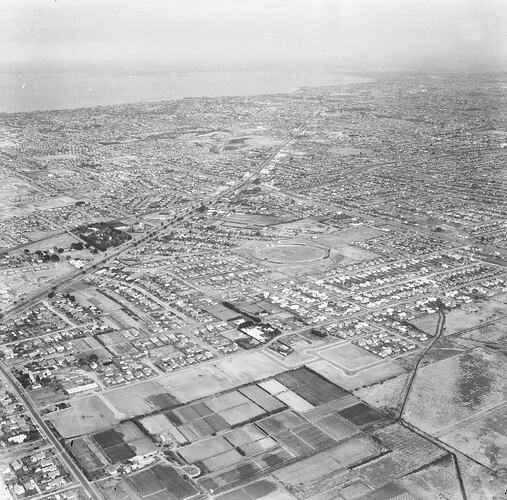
(55,257)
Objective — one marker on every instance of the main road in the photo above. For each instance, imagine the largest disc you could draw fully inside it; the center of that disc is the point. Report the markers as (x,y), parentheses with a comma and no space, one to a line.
(16,387)
(182,216)
(67,279)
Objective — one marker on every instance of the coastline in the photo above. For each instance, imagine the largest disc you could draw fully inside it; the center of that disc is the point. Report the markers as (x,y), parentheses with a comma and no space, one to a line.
(73,90)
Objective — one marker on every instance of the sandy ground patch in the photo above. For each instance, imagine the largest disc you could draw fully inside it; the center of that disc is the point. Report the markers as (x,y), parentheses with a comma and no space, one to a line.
(86,415)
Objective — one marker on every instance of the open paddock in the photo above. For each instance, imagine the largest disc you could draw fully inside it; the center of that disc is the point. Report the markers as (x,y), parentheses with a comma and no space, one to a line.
(92,297)
(134,400)
(483,438)
(117,489)
(458,388)
(337,427)
(385,370)
(250,366)
(197,382)
(353,451)
(349,357)
(85,416)
(202,450)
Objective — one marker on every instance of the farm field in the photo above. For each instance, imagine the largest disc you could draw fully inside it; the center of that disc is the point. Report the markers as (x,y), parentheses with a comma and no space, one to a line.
(89,459)
(113,445)
(310,386)
(265,489)
(161,482)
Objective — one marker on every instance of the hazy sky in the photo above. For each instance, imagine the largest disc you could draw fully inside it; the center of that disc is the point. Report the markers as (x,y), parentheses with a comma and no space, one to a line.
(253,33)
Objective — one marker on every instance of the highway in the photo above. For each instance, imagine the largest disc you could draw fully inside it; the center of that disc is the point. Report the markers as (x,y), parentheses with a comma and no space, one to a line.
(185,214)
(78,274)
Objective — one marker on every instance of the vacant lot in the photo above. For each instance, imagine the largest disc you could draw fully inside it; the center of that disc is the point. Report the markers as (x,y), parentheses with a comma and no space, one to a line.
(350,357)
(484,438)
(86,415)
(368,376)
(134,400)
(197,382)
(250,366)
(452,390)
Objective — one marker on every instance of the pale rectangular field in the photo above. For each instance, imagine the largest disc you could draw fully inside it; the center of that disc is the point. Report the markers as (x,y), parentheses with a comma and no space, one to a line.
(197,382)
(156,424)
(336,427)
(134,400)
(377,373)
(350,357)
(242,413)
(223,460)
(205,449)
(250,366)
(294,401)
(86,415)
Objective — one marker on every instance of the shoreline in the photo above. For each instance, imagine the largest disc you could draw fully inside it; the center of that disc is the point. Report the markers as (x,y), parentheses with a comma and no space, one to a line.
(278,87)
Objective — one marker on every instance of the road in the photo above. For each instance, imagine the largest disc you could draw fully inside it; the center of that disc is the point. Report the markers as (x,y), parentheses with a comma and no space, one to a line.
(34,414)
(69,278)
(408,388)
(185,214)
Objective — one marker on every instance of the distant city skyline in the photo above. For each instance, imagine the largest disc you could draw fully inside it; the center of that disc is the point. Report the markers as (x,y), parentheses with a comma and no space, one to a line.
(196,34)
